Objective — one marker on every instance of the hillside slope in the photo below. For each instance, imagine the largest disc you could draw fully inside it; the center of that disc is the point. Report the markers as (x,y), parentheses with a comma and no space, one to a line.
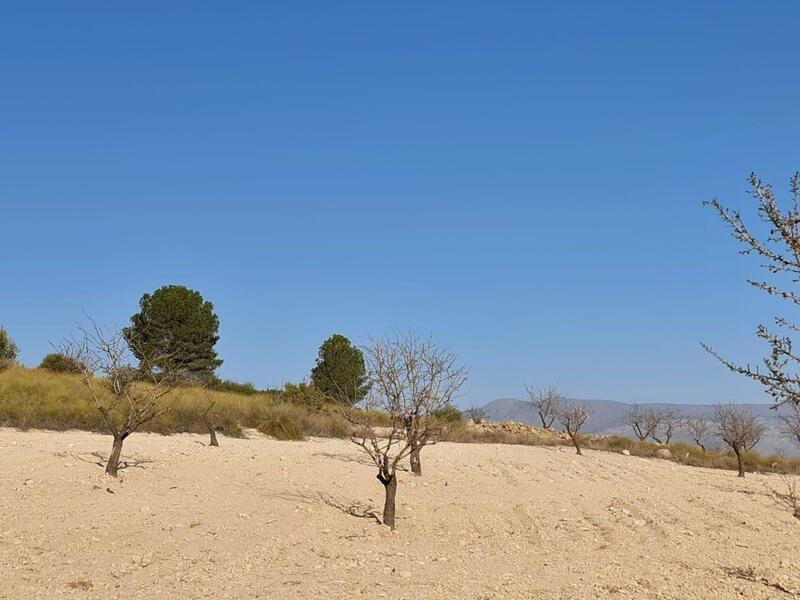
(606,419)
(257,518)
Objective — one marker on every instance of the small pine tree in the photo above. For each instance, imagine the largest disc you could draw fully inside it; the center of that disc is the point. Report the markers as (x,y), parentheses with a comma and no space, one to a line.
(340,371)
(8,349)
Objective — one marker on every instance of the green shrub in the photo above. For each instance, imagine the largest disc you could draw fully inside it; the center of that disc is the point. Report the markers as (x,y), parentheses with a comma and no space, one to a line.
(226,385)
(60,363)
(304,394)
(449,414)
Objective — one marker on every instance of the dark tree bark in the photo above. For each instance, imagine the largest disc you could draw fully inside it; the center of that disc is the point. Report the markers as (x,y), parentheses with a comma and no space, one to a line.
(213,434)
(740,460)
(574,438)
(416,464)
(390,486)
(113,460)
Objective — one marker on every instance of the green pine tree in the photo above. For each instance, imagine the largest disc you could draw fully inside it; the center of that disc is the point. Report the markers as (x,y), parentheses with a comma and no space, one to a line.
(340,370)
(175,328)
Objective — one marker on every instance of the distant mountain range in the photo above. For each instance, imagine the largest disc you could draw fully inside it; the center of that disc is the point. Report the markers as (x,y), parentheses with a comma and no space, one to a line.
(606,419)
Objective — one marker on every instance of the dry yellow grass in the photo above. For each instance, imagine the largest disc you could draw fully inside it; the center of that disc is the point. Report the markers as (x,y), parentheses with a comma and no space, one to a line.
(40,399)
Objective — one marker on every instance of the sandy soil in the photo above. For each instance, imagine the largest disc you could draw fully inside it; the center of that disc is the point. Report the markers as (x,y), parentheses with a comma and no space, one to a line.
(258,518)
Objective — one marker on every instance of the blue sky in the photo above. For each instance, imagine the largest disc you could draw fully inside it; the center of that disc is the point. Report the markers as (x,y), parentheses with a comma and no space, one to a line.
(523,180)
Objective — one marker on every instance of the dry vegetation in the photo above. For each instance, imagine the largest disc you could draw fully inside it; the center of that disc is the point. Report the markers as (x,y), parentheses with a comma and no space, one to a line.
(40,399)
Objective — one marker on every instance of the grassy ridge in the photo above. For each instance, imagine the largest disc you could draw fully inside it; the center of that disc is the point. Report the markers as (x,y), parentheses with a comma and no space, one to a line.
(37,398)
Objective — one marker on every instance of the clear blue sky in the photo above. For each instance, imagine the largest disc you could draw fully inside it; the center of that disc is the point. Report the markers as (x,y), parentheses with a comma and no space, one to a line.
(523,180)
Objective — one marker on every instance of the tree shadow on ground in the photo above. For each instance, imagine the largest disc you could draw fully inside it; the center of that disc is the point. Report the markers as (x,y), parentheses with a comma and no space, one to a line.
(353,508)
(100,459)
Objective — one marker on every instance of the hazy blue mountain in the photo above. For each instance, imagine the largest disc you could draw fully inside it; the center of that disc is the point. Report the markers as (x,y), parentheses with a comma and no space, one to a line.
(606,418)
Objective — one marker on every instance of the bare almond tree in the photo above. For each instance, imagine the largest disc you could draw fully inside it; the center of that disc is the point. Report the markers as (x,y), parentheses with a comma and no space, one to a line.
(572,418)
(122,398)
(668,421)
(644,420)
(545,400)
(412,380)
(779,247)
(475,414)
(698,429)
(792,421)
(790,496)
(739,429)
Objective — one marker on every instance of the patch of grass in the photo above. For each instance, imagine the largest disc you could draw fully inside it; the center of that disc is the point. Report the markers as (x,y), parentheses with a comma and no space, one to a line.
(280,424)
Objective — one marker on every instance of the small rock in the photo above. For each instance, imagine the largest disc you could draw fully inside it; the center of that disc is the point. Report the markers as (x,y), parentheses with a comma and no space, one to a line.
(663,453)
(626,452)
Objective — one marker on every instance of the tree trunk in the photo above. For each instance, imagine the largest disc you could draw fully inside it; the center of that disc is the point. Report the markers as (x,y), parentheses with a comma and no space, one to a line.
(574,438)
(740,460)
(416,465)
(211,432)
(113,460)
(390,486)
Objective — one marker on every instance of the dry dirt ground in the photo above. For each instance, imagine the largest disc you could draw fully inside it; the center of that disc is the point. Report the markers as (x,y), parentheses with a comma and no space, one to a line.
(258,518)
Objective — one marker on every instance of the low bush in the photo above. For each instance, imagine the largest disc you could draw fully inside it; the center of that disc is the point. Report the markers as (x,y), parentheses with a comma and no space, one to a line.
(281,425)
(60,363)
(305,395)
(449,414)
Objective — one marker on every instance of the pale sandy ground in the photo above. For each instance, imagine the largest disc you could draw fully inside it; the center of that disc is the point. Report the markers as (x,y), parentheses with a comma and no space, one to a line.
(258,518)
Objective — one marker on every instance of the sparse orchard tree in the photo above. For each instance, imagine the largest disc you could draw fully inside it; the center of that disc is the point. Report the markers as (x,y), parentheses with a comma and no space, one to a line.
(122,398)
(792,421)
(668,421)
(475,414)
(777,244)
(546,401)
(698,429)
(790,496)
(572,418)
(643,420)
(8,349)
(739,429)
(412,380)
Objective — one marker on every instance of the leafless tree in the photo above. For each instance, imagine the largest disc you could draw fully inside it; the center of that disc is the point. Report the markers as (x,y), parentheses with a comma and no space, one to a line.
(572,418)
(789,497)
(475,414)
(739,429)
(208,422)
(698,429)
(792,421)
(122,398)
(779,247)
(412,379)
(644,420)
(668,421)
(545,400)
